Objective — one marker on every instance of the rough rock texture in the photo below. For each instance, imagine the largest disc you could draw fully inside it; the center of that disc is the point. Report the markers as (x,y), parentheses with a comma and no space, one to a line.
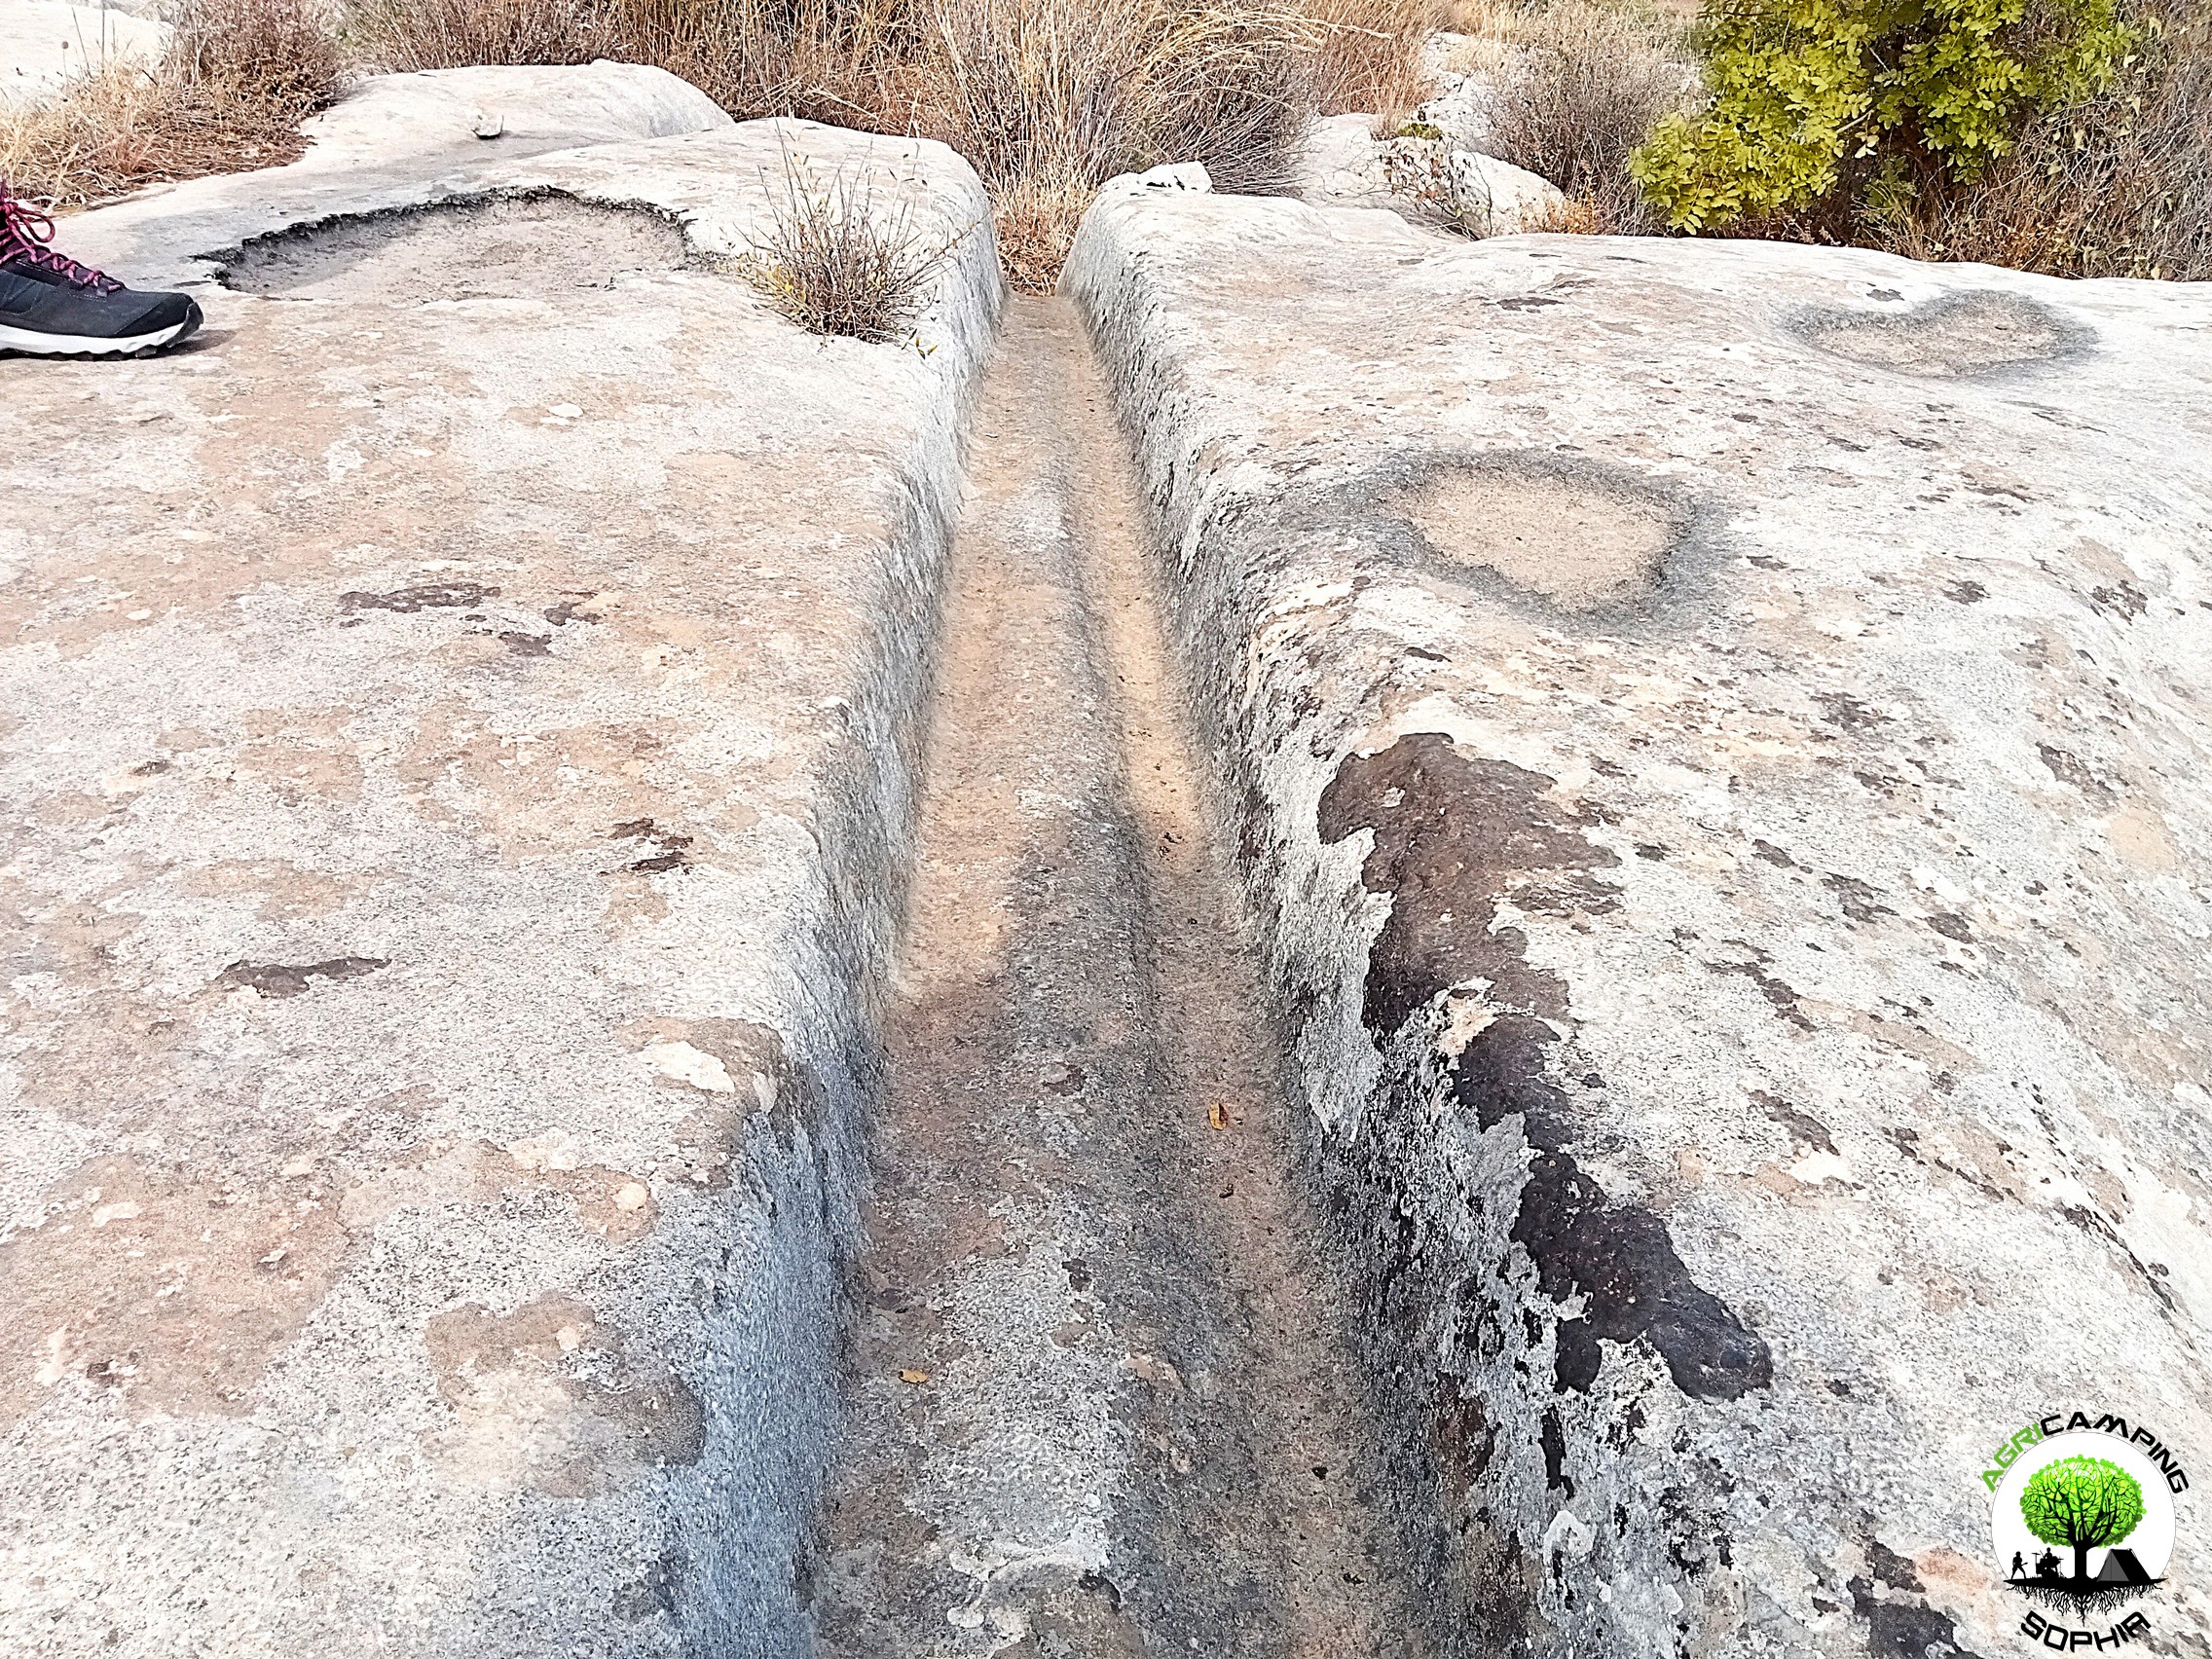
(456,724)
(1462,106)
(1346,165)
(1720,735)
(42,42)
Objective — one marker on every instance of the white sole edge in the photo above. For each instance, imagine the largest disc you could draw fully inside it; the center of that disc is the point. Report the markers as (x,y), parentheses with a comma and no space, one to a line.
(35,343)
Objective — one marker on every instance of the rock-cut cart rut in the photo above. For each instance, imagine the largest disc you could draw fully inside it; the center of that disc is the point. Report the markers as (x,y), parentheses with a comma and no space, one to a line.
(1101,1399)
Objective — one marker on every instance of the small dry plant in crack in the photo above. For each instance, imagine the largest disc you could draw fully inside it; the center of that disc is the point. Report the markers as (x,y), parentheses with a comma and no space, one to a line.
(834,262)
(1441,189)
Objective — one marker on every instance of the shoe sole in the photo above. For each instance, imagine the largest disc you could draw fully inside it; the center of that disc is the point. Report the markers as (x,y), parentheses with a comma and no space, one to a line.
(31,343)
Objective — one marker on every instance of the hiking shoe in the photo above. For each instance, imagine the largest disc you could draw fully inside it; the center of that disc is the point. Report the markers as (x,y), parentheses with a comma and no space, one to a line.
(52,306)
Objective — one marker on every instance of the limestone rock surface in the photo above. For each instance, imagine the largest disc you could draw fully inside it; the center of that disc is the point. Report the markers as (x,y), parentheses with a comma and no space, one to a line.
(457,736)
(1720,735)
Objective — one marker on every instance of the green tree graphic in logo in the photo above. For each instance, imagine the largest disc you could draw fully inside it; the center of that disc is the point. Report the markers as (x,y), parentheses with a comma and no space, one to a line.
(2081,1505)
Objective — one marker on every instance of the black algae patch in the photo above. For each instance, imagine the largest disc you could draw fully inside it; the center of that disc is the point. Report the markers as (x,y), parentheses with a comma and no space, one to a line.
(1454,836)
(289,979)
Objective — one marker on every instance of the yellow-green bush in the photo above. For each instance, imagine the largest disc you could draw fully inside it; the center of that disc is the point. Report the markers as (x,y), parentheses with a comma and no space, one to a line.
(1813,100)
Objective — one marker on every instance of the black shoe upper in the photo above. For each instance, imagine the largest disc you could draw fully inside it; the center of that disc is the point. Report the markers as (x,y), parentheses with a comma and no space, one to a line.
(44,292)
(46,302)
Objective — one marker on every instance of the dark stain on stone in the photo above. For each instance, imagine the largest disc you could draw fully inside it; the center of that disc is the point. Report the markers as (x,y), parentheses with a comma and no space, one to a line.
(1502,1075)
(1966,593)
(427,596)
(1893,1568)
(1857,898)
(1960,335)
(566,611)
(672,854)
(1951,926)
(527,644)
(1454,834)
(1622,1260)
(150,769)
(2123,598)
(1842,709)
(289,979)
(2097,1227)
(1809,1129)
(1552,1439)
(1079,1273)
(1777,991)
(1902,1630)
(1766,852)
(1098,1584)
(1465,1439)
(2072,769)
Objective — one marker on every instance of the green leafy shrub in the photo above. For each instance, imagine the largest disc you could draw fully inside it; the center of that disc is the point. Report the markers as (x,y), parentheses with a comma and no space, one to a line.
(2120,186)
(1815,100)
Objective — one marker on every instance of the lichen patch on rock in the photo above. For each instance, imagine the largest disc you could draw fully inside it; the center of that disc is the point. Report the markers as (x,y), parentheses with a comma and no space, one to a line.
(1573,541)
(1969,333)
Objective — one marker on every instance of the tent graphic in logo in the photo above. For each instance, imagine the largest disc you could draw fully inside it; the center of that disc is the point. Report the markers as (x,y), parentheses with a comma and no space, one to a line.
(2084,1524)
(2078,1504)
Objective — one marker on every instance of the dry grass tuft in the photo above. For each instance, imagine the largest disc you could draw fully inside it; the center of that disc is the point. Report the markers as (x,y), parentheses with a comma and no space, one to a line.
(1050,99)
(1036,220)
(453,34)
(229,94)
(276,52)
(1441,192)
(834,262)
(1578,92)
(821,59)
(1047,98)
(1373,55)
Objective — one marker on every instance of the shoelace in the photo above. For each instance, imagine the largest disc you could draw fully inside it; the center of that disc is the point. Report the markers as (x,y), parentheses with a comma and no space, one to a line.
(25,232)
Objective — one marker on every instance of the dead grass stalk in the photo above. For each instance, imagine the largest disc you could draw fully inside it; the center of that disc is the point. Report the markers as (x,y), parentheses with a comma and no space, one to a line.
(451,34)
(238,79)
(1578,92)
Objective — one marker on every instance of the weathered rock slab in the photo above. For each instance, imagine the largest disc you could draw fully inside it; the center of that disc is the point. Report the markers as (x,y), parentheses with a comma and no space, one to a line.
(1346,165)
(397,141)
(456,746)
(1718,733)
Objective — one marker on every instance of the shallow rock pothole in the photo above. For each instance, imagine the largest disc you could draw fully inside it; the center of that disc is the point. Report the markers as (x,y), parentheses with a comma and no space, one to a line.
(1964,334)
(500,247)
(1575,542)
